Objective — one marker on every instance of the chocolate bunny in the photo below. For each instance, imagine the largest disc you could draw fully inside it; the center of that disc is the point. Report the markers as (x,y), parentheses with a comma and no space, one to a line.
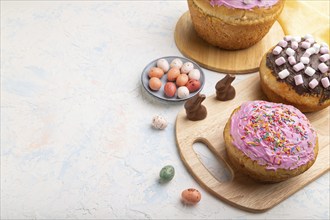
(194,108)
(224,90)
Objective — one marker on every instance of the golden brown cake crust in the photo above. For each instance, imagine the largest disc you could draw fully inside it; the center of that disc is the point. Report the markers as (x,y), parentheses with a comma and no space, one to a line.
(245,165)
(232,29)
(282,92)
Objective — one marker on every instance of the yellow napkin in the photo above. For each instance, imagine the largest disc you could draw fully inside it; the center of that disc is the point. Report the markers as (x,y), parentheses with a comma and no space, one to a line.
(307,17)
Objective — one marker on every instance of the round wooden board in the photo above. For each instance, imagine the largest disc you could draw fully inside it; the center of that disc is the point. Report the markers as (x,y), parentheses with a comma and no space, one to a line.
(216,59)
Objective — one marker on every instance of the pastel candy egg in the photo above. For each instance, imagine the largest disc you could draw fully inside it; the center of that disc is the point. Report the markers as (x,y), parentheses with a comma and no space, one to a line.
(156,72)
(158,122)
(194,74)
(191,196)
(193,85)
(183,92)
(187,67)
(172,74)
(155,83)
(167,173)
(170,89)
(182,80)
(176,63)
(163,64)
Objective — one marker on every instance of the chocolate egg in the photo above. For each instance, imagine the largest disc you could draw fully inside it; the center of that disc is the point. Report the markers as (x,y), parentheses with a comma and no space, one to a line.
(170,89)
(193,85)
(191,196)
(158,122)
(167,173)
(187,67)
(194,74)
(182,80)
(156,72)
(183,92)
(155,83)
(176,63)
(163,64)
(172,74)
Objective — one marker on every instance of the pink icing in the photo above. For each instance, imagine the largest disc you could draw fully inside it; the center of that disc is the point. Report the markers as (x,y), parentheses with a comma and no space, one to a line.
(273,134)
(241,5)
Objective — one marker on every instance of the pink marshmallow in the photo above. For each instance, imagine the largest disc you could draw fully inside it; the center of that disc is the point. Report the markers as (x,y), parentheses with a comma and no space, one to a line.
(325,82)
(277,50)
(313,83)
(294,45)
(324,57)
(288,38)
(305,45)
(298,67)
(292,60)
(298,79)
(283,43)
(280,61)
(323,67)
(324,50)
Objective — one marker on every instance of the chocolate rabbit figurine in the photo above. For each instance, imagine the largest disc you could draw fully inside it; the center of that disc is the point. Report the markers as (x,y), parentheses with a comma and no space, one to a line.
(194,108)
(224,90)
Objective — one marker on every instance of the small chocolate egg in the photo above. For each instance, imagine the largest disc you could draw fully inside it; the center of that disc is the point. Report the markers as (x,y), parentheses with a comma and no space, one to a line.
(183,92)
(170,89)
(193,85)
(191,196)
(163,64)
(158,122)
(172,74)
(155,83)
(182,80)
(167,173)
(194,74)
(176,63)
(187,67)
(156,72)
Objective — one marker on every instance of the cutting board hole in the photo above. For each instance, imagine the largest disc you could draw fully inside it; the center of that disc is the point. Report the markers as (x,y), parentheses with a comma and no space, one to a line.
(216,166)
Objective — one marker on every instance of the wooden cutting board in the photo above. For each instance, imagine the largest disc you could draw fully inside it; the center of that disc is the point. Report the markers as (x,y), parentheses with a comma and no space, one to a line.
(213,58)
(242,192)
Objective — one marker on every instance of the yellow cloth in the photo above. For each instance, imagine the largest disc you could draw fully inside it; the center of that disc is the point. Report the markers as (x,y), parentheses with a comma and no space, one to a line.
(307,17)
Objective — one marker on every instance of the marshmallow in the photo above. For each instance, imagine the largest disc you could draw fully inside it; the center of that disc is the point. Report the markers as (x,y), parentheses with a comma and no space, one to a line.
(298,79)
(288,38)
(283,74)
(292,60)
(317,47)
(280,61)
(307,54)
(311,50)
(305,45)
(313,83)
(310,40)
(304,60)
(324,57)
(277,50)
(324,50)
(296,38)
(310,71)
(283,43)
(308,36)
(325,82)
(290,52)
(294,45)
(298,67)
(323,44)
(323,67)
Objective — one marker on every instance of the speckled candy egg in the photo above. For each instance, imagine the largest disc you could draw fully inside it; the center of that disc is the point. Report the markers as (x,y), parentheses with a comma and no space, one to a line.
(159,122)
(156,72)
(172,74)
(194,74)
(155,83)
(191,196)
(193,85)
(182,80)
(187,67)
(176,63)
(169,89)
(163,64)
(167,173)
(183,92)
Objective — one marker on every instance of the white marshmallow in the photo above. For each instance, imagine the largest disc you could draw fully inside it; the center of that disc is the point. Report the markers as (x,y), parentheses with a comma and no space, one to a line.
(292,60)
(325,82)
(313,83)
(324,57)
(290,52)
(298,67)
(307,54)
(310,71)
(296,38)
(305,45)
(323,67)
(288,38)
(311,50)
(304,60)
(280,61)
(298,79)
(317,47)
(323,44)
(294,45)
(324,50)
(310,40)
(283,74)
(283,43)
(277,50)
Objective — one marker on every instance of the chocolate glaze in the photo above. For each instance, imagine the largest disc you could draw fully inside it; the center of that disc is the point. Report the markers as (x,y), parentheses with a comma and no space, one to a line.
(224,90)
(303,89)
(194,108)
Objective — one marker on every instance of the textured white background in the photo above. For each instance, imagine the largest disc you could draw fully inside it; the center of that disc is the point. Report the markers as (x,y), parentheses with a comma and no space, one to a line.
(76,140)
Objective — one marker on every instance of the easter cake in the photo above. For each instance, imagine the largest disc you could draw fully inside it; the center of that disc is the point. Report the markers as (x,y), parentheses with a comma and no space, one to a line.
(234,24)
(296,72)
(270,142)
